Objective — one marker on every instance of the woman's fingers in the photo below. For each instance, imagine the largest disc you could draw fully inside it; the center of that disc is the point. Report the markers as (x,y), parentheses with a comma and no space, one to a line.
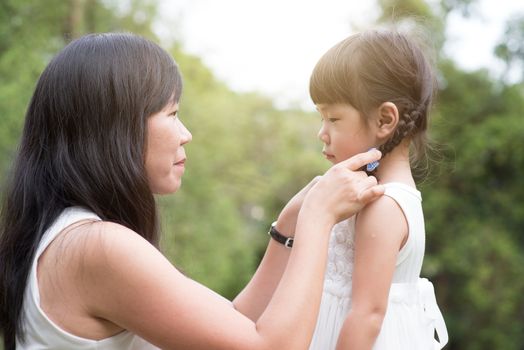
(358,161)
(371,190)
(343,190)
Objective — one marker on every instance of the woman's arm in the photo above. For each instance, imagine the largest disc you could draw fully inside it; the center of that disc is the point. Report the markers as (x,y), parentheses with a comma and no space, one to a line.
(253,300)
(379,232)
(128,282)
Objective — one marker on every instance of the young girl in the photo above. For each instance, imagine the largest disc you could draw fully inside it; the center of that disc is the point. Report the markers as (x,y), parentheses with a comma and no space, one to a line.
(374,90)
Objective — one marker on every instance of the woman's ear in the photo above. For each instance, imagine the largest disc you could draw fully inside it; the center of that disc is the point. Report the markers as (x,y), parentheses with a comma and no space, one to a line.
(387,120)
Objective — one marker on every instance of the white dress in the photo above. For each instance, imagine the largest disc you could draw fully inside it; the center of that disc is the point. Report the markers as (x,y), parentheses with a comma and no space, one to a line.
(40,331)
(412,315)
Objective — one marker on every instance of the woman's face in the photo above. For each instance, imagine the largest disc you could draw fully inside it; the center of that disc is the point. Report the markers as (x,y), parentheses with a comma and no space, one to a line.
(165,155)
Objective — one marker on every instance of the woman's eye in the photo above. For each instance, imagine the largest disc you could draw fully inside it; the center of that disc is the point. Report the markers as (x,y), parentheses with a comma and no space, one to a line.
(332,120)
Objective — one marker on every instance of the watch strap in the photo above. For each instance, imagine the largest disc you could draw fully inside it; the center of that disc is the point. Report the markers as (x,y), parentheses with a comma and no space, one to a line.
(280,238)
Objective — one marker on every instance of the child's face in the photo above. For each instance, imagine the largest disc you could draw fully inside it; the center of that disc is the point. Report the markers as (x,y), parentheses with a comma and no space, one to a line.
(344,132)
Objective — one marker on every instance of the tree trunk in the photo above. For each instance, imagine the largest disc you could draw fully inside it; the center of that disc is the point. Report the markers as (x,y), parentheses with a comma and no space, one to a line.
(75,20)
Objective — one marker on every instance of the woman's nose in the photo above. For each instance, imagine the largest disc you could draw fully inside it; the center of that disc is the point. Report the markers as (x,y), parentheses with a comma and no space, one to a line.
(186,135)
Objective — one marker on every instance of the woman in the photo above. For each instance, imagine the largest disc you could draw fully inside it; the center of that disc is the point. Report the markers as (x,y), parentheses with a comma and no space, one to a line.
(80,265)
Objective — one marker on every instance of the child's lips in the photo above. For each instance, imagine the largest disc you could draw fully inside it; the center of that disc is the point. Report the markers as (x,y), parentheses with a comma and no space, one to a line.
(328,155)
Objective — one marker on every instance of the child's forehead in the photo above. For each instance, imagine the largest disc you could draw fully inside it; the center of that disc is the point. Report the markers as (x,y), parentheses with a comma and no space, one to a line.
(334,107)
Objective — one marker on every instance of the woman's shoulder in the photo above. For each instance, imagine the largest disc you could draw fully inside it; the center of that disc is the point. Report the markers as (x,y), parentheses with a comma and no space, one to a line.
(115,267)
(99,254)
(82,269)
(103,244)
(109,233)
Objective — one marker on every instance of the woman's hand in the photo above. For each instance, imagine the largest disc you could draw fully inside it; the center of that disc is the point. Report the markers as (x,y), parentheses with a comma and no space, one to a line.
(342,183)
(343,190)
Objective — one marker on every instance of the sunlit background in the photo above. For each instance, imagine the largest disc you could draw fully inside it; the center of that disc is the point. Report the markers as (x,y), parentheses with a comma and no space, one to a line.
(271,46)
(246,66)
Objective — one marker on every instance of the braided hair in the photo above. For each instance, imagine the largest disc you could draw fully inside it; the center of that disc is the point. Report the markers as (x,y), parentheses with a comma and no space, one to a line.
(408,124)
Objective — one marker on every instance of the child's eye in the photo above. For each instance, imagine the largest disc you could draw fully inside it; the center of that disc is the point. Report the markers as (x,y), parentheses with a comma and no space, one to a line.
(332,120)
(174,114)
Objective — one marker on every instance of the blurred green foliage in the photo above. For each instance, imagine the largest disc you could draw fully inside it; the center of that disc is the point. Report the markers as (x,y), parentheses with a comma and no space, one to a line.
(248,158)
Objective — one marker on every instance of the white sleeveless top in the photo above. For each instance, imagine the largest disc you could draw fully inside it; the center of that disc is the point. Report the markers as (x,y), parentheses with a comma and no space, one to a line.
(412,315)
(40,331)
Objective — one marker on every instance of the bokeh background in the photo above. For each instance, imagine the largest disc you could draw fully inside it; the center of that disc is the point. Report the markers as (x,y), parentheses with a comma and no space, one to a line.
(253,149)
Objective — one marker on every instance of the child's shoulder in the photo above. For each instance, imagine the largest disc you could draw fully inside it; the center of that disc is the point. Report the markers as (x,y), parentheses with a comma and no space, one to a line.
(402,190)
(381,209)
(381,225)
(386,214)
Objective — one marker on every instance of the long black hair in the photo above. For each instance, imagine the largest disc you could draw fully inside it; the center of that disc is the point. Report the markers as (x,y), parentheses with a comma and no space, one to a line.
(83,144)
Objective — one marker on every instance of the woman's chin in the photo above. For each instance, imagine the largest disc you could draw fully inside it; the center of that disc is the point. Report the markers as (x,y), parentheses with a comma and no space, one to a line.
(167,188)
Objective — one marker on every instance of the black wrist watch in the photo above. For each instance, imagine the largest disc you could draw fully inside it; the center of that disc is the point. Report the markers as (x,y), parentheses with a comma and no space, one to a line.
(280,238)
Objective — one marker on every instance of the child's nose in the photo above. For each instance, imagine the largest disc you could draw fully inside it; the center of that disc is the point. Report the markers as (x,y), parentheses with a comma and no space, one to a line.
(323,136)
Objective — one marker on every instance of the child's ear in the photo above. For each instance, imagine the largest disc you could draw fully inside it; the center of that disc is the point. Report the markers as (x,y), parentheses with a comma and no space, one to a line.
(387,120)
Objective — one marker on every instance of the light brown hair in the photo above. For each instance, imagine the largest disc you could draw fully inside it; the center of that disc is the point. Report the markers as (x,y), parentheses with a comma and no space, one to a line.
(377,66)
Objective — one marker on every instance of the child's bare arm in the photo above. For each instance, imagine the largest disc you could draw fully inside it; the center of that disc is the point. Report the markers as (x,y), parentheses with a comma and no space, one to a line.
(380,230)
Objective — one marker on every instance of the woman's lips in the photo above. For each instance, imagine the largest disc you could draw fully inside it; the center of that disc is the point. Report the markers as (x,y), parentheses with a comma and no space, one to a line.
(181,162)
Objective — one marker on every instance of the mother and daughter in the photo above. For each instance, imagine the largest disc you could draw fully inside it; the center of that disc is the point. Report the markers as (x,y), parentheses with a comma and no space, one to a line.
(80,265)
